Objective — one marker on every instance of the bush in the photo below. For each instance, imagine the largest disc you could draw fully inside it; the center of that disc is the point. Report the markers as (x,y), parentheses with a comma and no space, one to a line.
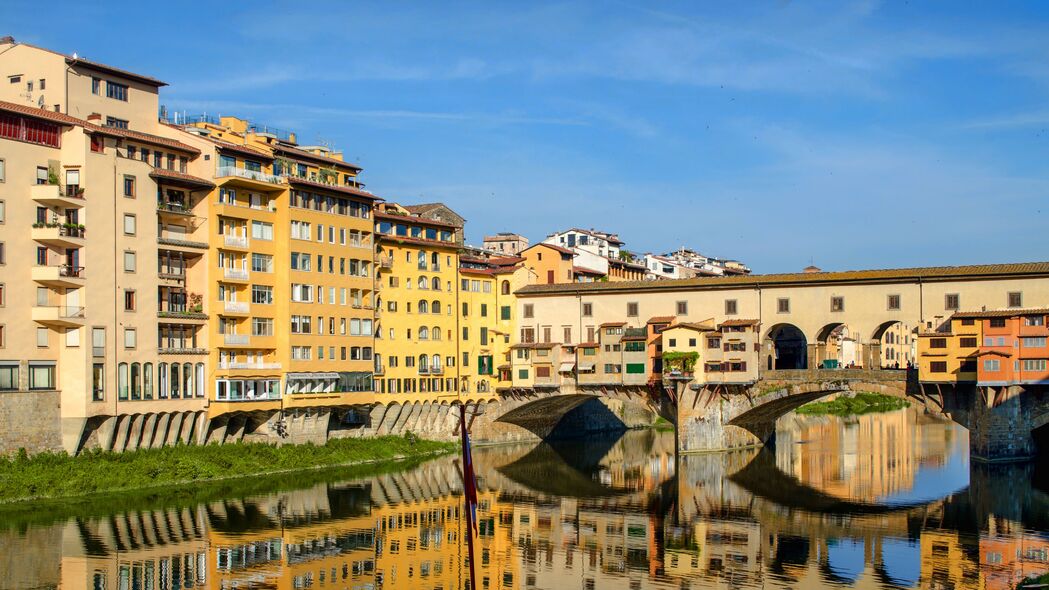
(862,403)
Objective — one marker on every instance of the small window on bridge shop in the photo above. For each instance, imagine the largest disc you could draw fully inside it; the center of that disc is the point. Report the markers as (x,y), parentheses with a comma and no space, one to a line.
(992,365)
(522,373)
(951,301)
(589,351)
(937,343)
(893,303)
(968,322)
(714,343)
(783,305)
(1034,320)
(997,322)
(730,307)
(542,371)
(613,369)
(837,304)
(1016,299)
(938,367)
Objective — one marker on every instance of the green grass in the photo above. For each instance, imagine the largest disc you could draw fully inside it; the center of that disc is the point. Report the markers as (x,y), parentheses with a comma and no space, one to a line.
(862,403)
(57,475)
(662,425)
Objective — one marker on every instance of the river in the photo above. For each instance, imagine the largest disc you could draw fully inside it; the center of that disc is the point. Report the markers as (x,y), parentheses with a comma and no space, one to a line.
(877,501)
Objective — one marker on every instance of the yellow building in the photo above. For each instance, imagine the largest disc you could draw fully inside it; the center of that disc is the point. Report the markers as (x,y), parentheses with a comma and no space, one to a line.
(684,347)
(950,357)
(417,332)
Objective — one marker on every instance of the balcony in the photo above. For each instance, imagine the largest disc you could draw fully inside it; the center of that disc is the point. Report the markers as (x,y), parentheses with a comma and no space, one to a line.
(379,370)
(60,316)
(256,178)
(437,370)
(172,274)
(235,274)
(182,316)
(236,339)
(178,242)
(59,275)
(235,241)
(181,349)
(177,209)
(246,366)
(68,235)
(53,196)
(236,307)
(386,262)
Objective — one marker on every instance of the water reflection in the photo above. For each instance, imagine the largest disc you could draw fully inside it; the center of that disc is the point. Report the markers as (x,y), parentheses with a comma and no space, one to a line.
(882,501)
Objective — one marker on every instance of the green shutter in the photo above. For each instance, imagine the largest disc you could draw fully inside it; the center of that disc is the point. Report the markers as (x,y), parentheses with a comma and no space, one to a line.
(635,368)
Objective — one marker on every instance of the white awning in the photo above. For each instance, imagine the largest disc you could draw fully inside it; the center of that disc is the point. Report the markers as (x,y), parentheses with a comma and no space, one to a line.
(566,367)
(586,366)
(313,375)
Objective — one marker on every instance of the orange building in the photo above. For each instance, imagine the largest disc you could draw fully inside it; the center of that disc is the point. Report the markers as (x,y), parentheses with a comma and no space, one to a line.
(1014,348)
(550,263)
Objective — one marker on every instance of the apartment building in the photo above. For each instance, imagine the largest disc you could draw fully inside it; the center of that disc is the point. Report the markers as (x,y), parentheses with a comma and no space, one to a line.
(94,328)
(417,284)
(505,243)
(550,263)
(949,356)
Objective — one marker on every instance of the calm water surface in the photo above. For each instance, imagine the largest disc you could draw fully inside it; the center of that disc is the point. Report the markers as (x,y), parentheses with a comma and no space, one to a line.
(880,501)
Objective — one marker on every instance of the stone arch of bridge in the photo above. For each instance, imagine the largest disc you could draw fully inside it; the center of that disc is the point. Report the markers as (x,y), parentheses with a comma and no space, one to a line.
(883,339)
(837,341)
(572,414)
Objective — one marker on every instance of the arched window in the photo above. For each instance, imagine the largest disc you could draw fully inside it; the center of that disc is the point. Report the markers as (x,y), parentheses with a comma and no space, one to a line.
(136,381)
(147,381)
(162,381)
(435,333)
(424,333)
(435,362)
(435,306)
(424,306)
(424,362)
(435,259)
(423,283)
(187,380)
(436,284)
(200,379)
(422,260)
(122,381)
(176,380)
(506,287)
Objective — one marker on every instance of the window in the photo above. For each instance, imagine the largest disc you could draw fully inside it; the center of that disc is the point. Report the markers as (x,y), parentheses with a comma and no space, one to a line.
(3,295)
(937,343)
(837,304)
(129,261)
(730,307)
(261,263)
(261,230)
(992,365)
(1034,365)
(997,322)
(42,175)
(129,186)
(115,122)
(41,375)
(129,224)
(672,342)
(529,310)
(3,170)
(504,312)
(1035,342)
(1030,320)
(262,294)
(9,376)
(972,342)
(129,300)
(96,86)
(98,342)
(893,303)
(262,326)
(130,337)
(783,305)
(41,337)
(588,310)
(116,91)
(1016,299)
(631,309)
(951,301)
(938,367)
(682,308)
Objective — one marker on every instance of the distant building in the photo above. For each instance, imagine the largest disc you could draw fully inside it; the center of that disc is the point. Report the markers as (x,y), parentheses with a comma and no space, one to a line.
(686,263)
(550,263)
(663,267)
(601,243)
(441,213)
(506,243)
(599,255)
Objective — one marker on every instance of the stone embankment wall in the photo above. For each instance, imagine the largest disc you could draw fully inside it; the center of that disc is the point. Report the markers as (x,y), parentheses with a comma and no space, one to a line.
(30,420)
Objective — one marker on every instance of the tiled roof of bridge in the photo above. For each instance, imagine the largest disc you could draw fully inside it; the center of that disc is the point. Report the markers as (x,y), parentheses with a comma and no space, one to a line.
(931,273)
(1001,313)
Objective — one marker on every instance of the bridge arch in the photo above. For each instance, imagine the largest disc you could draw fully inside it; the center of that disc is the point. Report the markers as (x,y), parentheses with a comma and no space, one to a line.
(786,347)
(837,341)
(892,345)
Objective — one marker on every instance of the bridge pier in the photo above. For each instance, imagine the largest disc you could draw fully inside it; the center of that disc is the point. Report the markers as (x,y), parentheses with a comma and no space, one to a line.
(1005,422)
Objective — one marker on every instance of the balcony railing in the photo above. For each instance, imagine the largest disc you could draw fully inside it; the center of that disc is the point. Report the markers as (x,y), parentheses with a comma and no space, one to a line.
(233,365)
(236,339)
(226,171)
(181,349)
(437,370)
(424,370)
(235,241)
(236,307)
(386,262)
(178,208)
(239,274)
(68,230)
(73,272)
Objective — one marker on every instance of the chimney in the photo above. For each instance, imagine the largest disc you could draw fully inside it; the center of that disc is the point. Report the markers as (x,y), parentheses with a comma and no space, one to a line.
(96,117)
(7,40)
(811,269)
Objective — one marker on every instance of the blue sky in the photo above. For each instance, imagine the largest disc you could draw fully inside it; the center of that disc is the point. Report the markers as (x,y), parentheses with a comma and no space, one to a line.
(854,135)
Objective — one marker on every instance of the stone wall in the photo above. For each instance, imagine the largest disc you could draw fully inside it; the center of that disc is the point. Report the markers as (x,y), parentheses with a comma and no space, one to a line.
(31,420)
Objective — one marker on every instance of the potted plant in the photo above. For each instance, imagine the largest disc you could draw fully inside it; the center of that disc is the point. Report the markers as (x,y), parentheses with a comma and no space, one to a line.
(196,302)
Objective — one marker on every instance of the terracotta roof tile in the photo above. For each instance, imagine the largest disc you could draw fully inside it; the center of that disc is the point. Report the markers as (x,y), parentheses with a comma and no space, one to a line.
(855,276)
(661,319)
(181,177)
(346,190)
(414,219)
(552,247)
(1001,313)
(305,155)
(740,323)
(612,324)
(690,326)
(587,271)
(94,65)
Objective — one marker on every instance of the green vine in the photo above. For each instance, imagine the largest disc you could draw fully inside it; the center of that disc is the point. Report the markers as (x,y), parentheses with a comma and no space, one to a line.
(682,361)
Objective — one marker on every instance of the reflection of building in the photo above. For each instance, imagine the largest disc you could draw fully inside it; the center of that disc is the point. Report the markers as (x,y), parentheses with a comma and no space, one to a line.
(1008,554)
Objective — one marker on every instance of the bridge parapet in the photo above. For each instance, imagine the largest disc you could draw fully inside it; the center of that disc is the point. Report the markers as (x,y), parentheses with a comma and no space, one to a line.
(824,375)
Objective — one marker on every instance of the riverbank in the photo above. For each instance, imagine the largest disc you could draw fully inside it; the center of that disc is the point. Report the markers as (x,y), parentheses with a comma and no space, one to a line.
(863,402)
(51,475)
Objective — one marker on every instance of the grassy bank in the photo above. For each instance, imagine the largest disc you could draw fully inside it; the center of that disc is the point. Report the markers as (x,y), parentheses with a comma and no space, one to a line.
(50,475)
(1034,581)
(862,403)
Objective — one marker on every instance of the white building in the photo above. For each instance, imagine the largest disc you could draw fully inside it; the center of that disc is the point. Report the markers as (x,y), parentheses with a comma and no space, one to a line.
(590,240)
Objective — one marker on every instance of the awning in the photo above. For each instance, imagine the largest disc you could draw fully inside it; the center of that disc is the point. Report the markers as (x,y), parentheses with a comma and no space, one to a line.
(313,375)
(566,368)
(586,366)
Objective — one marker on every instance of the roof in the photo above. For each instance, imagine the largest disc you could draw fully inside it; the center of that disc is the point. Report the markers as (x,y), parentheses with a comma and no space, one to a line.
(505,260)
(621,262)
(929,274)
(661,319)
(552,247)
(587,271)
(608,237)
(413,218)
(740,322)
(588,345)
(1001,313)
(94,65)
(612,324)
(424,207)
(347,190)
(180,178)
(993,352)
(305,155)
(243,150)
(71,121)
(690,326)
(419,241)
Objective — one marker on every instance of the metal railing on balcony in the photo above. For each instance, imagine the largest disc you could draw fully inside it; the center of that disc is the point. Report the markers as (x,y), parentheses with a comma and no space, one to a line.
(67,270)
(240,274)
(236,339)
(235,241)
(67,311)
(386,262)
(235,307)
(227,171)
(178,208)
(249,365)
(424,370)
(68,230)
